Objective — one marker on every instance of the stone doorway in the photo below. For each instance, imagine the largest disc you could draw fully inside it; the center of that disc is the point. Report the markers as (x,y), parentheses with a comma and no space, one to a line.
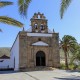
(40,59)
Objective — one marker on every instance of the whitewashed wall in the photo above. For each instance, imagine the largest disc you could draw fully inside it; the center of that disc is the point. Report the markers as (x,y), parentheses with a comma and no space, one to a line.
(4,63)
(15,54)
(39,34)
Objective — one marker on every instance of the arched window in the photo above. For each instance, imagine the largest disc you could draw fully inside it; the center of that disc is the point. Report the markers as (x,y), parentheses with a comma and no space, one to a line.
(38,16)
(36,26)
(42,27)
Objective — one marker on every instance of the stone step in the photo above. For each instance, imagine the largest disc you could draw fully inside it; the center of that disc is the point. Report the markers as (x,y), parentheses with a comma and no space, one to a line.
(38,69)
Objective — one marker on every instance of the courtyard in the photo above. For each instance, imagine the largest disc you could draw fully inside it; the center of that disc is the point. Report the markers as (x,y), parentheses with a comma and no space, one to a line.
(40,75)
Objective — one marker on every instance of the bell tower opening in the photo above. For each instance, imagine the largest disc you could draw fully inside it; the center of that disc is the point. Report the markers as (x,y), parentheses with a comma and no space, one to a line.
(39,23)
(38,16)
(36,26)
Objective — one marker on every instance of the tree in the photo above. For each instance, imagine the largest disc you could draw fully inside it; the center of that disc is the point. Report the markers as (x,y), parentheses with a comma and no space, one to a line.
(75,54)
(64,5)
(23,6)
(8,20)
(5,3)
(67,44)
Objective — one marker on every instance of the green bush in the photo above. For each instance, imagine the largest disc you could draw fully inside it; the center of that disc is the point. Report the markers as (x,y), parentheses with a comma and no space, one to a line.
(78,67)
(62,66)
(72,66)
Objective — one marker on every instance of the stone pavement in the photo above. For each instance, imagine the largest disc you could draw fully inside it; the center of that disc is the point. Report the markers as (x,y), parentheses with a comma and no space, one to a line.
(41,75)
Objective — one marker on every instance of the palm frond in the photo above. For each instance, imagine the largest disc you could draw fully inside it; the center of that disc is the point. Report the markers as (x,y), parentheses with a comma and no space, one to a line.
(64,6)
(23,6)
(10,21)
(5,3)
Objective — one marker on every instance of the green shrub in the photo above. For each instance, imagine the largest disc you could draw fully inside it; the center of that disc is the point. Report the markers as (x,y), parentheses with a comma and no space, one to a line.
(78,67)
(72,66)
(62,66)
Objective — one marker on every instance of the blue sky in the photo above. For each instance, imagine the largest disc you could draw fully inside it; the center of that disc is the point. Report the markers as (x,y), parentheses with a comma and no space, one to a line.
(69,25)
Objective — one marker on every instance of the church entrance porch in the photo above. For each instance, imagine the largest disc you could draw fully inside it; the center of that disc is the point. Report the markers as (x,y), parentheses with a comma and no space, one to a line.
(40,59)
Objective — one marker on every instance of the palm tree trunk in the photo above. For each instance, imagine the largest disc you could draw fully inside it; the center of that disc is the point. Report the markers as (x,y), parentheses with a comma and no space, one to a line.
(66,61)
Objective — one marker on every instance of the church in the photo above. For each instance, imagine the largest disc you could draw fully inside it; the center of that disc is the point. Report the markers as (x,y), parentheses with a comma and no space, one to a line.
(35,47)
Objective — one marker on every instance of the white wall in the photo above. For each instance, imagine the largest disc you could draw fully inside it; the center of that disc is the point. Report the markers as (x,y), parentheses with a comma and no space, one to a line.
(15,54)
(39,34)
(5,63)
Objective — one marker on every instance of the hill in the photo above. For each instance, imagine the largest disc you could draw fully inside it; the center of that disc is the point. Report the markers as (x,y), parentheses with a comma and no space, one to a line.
(4,50)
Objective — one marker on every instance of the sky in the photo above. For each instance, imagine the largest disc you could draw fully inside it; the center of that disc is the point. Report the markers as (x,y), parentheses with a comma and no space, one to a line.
(69,25)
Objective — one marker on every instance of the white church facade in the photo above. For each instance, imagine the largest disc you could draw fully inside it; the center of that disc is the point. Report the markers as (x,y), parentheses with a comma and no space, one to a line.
(35,47)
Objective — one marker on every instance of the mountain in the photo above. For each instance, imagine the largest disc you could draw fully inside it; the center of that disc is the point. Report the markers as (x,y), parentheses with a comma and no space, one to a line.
(5,51)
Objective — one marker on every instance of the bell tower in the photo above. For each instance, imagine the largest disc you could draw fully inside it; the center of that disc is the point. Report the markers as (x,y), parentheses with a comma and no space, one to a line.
(39,23)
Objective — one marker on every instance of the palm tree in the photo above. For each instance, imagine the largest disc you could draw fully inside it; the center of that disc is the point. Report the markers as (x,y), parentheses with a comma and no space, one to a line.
(8,20)
(5,3)
(23,6)
(67,44)
(75,53)
(64,5)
